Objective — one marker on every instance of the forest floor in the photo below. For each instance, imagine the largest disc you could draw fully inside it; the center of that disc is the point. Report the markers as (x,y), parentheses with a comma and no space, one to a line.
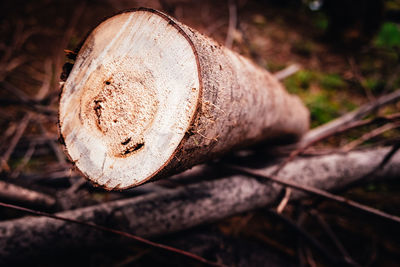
(336,76)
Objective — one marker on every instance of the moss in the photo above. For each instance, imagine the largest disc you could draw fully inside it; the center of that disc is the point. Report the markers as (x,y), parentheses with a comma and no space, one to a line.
(373,84)
(304,78)
(273,66)
(331,81)
(322,108)
(388,36)
(323,100)
(299,81)
(321,21)
(347,104)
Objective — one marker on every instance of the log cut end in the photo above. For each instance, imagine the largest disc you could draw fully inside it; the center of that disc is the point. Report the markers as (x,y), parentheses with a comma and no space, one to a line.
(130,99)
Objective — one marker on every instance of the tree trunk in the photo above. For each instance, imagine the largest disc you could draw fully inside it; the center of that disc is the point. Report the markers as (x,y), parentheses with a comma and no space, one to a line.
(148,96)
(173,210)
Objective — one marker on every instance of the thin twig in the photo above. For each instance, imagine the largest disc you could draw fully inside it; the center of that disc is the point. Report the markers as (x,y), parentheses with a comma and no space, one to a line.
(68,33)
(114,231)
(333,126)
(307,237)
(389,155)
(318,192)
(360,78)
(310,258)
(370,135)
(7,133)
(45,88)
(56,149)
(342,129)
(286,72)
(14,141)
(384,161)
(23,195)
(332,236)
(284,200)
(232,23)
(28,155)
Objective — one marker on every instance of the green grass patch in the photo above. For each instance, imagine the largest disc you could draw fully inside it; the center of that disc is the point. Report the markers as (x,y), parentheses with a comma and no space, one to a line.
(321,21)
(324,102)
(299,82)
(388,36)
(274,67)
(331,81)
(322,108)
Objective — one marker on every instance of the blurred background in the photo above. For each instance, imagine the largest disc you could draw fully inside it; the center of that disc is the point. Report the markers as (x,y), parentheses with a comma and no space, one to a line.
(348,52)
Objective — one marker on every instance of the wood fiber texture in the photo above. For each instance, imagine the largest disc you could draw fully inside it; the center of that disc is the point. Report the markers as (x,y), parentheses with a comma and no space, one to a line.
(213,100)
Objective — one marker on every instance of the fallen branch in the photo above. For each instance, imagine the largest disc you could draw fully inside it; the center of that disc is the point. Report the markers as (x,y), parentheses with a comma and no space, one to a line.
(106,229)
(331,127)
(17,194)
(335,260)
(317,138)
(286,72)
(318,192)
(232,23)
(14,141)
(333,237)
(369,135)
(173,210)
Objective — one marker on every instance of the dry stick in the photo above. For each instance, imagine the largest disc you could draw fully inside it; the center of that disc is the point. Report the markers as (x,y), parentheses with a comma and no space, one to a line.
(300,252)
(210,30)
(281,75)
(309,256)
(28,155)
(312,241)
(59,57)
(301,149)
(284,200)
(14,141)
(318,192)
(174,210)
(232,23)
(23,195)
(334,127)
(332,236)
(21,95)
(370,135)
(300,241)
(114,231)
(7,133)
(286,72)
(331,127)
(55,147)
(382,164)
(25,101)
(389,155)
(46,82)
(341,129)
(357,74)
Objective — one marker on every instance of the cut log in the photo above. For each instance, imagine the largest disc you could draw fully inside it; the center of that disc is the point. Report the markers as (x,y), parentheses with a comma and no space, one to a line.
(148,97)
(173,210)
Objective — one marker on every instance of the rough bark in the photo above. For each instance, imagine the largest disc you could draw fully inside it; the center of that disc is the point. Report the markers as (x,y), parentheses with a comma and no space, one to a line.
(173,210)
(148,96)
